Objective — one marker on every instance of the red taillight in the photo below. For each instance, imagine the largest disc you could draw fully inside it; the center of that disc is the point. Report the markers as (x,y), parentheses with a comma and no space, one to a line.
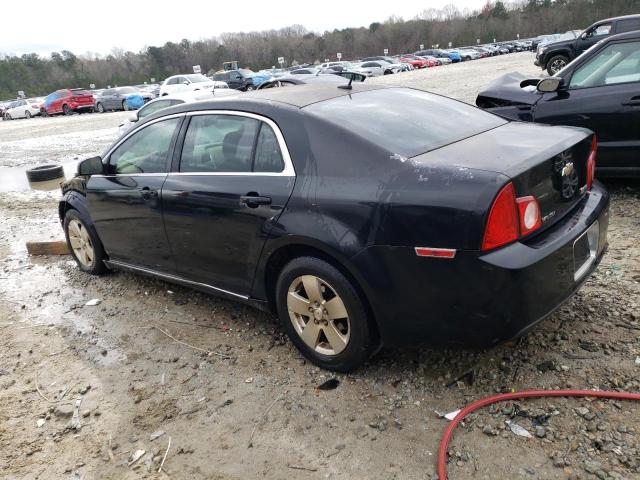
(510,218)
(502,224)
(435,252)
(529,211)
(591,163)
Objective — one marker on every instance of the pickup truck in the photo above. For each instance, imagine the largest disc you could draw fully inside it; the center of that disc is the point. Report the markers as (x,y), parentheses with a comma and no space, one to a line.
(553,57)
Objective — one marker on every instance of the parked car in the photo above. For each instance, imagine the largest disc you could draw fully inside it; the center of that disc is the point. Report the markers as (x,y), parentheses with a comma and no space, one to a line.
(241,79)
(67,101)
(599,90)
(304,201)
(184,83)
(416,61)
(152,89)
(553,57)
(169,100)
(121,98)
(22,108)
(450,54)
(335,79)
(468,54)
(376,68)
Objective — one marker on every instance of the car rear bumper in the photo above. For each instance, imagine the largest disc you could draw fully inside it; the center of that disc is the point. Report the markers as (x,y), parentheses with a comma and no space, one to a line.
(480,299)
(77,107)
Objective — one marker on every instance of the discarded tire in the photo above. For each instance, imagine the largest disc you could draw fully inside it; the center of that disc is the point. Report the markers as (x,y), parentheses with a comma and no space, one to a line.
(45,173)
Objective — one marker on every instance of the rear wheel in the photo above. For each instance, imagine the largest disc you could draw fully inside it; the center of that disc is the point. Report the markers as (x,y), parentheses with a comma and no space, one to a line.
(27,114)
(84,244)
(556,63)
(324,315)
(7,116)
(66,109)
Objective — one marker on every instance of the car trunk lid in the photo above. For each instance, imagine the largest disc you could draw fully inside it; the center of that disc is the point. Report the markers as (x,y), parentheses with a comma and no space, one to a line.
(549,163)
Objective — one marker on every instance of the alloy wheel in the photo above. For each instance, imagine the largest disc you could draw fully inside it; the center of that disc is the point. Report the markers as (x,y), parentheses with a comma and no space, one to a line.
(318,315)
(81,243)
(557,65)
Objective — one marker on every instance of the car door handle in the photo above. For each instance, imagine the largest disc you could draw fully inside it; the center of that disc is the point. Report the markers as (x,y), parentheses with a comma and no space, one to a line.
(147,193)
(254,200)
(633,102)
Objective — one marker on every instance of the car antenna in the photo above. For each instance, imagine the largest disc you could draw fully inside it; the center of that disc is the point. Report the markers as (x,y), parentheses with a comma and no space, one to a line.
(348,86)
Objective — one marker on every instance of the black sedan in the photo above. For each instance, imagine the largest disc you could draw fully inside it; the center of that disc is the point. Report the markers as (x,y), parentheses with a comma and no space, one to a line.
(599,90)
(358,225)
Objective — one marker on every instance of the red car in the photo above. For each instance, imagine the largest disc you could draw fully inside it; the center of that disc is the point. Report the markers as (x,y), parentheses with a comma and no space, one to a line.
(416,62)
(67,101)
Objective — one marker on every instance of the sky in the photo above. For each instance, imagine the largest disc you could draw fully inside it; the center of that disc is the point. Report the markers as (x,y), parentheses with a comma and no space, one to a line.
(98,27)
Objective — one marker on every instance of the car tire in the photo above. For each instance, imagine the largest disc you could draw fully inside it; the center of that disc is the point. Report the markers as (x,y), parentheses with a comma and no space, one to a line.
(353,338)
(125,105)
(100,108)
(66,109)
(84,244)
(27,114)
(249,88)
(556,63)
(7,116)
(45,173)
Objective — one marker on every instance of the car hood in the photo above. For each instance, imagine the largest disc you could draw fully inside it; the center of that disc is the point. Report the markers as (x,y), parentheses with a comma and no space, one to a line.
(513,88)
(557,43)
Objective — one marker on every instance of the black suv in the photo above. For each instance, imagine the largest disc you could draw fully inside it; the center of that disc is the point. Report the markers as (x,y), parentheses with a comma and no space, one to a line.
(241,79)
(555,56)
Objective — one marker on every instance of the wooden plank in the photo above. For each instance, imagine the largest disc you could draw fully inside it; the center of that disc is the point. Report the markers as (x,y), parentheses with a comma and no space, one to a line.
(58,247)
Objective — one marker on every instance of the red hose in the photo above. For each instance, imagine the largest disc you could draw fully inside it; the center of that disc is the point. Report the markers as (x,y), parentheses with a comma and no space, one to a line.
(448,433)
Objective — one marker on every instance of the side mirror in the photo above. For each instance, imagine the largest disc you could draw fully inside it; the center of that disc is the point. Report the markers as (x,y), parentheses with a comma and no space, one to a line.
(583,35)
(134,118)
(91,166)
(551,84)
(185,82)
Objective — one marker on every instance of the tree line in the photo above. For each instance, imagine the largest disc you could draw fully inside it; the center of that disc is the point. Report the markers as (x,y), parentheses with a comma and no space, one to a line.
(36,75)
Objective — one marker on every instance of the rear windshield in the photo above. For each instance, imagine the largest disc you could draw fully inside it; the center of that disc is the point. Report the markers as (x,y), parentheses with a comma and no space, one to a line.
(405,121)
(79,93)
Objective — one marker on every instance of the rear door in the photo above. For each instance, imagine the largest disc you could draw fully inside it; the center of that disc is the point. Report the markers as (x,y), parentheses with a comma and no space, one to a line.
(125,202)
(604,96)
(232,180)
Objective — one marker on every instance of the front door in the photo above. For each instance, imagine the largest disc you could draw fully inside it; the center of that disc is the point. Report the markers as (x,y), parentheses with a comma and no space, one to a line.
(592,36)
(125,203)
(233,179)
(603,95)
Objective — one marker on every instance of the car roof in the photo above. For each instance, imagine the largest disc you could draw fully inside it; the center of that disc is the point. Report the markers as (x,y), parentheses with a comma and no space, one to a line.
(623,17)
(299,96)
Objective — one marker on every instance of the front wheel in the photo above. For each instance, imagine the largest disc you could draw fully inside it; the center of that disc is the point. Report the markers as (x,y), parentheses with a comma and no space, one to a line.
(556,63)
(324,315)
(84,244)
(250,88)
(125,105)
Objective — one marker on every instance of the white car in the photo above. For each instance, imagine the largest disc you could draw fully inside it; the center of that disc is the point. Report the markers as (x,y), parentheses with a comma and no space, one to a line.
(376,69)
(188,83)
(333,64)
(23,108)
(176,99)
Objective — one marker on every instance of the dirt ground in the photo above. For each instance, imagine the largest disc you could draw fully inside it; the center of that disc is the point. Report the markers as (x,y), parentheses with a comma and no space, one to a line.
(155,370)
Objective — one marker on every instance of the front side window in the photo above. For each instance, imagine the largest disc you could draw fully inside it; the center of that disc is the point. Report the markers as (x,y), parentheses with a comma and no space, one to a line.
(146,151)
(219,143)
(617,63)
(600,30)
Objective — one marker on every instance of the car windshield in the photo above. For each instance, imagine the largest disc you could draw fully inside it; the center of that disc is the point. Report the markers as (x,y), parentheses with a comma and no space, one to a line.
(405,121)
(126,90)
(197,78)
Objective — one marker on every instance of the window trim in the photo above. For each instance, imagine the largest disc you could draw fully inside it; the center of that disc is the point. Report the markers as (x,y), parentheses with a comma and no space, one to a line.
(288,170)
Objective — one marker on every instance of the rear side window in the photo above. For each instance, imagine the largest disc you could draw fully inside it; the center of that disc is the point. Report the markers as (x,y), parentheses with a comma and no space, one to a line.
(268,155)
(219,143)
(146,151)
(405,121)
(628,25)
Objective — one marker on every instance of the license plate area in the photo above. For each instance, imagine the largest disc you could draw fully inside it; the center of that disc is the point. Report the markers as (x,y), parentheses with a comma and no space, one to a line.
(585,249)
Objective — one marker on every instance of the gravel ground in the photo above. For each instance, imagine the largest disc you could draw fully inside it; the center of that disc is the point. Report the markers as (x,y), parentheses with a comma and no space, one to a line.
(228,397)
